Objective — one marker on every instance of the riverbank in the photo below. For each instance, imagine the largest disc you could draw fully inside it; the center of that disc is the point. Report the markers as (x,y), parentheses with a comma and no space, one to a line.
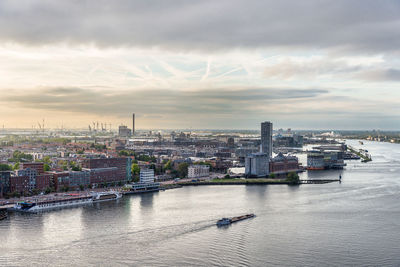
(261,181)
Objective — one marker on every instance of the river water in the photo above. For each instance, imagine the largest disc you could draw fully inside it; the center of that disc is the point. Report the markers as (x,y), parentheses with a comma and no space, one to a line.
(356,222)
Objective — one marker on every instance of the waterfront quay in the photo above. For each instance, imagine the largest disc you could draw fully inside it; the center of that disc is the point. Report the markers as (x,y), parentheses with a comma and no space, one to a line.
(257,182)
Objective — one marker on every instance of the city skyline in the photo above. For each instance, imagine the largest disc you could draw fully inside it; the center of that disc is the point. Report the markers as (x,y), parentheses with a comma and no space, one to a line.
(208,65)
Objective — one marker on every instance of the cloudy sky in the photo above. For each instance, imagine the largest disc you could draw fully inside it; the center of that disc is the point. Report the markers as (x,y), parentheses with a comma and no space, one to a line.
(201,64)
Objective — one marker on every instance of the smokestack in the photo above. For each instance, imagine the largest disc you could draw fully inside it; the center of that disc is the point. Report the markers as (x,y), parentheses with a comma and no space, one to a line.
(133,123)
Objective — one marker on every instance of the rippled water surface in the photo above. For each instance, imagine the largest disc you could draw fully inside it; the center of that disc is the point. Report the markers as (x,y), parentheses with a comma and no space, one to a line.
(356,222)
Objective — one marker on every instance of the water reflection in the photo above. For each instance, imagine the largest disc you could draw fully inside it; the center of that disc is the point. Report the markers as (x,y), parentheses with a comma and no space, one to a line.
(146,200)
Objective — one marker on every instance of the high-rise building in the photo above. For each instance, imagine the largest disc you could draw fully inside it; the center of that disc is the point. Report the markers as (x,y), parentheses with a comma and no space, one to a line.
(266,138)
(133,123)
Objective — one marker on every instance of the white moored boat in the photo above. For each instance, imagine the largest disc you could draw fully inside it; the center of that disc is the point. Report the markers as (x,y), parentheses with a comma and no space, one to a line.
(65,201)
(28,206)
(107,195)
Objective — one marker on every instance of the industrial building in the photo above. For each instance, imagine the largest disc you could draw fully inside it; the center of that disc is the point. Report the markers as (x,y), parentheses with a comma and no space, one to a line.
(257,165)
(320,160)
(124,131)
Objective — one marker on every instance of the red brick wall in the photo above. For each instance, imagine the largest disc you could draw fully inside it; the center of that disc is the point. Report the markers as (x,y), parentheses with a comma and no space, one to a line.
(19,184)
(38,166)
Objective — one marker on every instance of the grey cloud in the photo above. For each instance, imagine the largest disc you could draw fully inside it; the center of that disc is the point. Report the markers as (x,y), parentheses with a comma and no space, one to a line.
(153,102)
(217,108)
(383,75)
(363,25)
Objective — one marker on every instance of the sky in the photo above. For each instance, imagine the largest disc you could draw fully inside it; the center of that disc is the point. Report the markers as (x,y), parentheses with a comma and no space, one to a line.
(209,64)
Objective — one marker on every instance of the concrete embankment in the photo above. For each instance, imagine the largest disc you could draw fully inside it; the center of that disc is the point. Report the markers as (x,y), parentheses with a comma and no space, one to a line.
(277,182)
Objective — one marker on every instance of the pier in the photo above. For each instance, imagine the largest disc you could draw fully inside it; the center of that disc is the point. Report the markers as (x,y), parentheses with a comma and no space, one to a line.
(361,153)
(319,181)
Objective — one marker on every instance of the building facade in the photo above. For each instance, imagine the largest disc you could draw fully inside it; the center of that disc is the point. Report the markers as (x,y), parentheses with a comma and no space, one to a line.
(315,161)
(266,138)
(198,171)
(38,166)
(4,182)
(146,176)
(79,178)
(257,165)
(284,164)
(31,174)
(20,184)
(123,165)
(124,131)
(110,175)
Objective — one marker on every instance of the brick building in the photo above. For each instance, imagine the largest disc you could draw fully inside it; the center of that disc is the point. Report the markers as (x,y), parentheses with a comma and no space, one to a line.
(118,168)
(4,182)
(38,166)
(284,164)
(59,179)
(20,184)
(43,181)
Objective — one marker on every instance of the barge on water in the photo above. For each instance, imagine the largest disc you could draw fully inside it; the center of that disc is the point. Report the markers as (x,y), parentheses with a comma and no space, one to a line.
(227,221)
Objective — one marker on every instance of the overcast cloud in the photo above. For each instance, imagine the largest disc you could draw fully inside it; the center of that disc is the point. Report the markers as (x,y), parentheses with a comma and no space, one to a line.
(362,26)
(206,64)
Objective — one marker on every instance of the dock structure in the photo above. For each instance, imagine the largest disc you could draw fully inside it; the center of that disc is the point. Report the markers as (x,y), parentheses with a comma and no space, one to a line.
(258,182)
(319,181)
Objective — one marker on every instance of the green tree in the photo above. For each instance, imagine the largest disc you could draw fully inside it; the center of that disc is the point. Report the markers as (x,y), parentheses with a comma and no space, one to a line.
(81,187)
(46,167)
(123,153)
(183,169)
(76,168)
(5,167)
(272,175)
(16,166)
(293,178)
(227,176)
(168,165)
(47,160)
(135,169)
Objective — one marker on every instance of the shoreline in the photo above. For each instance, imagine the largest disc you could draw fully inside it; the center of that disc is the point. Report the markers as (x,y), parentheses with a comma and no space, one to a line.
(258,182)
(180,185)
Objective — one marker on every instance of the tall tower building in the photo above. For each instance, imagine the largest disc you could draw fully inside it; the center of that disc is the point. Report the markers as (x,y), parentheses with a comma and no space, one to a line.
(266,138)
(133,123)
